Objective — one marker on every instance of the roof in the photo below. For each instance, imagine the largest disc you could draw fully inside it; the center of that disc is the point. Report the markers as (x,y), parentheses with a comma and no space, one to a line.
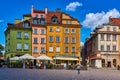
(51,14)
(38,11)
(115,21)
(27,15)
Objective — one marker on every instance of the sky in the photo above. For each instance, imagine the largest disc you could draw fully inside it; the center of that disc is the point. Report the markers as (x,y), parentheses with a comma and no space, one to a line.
(90,13)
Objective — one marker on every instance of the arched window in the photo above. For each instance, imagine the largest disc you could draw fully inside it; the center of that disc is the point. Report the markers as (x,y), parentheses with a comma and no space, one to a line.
(114,62)
(54,19)
(103,62)
(26,24)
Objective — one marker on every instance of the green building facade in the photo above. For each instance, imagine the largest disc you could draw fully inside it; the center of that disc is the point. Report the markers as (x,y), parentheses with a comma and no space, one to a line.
(18,41)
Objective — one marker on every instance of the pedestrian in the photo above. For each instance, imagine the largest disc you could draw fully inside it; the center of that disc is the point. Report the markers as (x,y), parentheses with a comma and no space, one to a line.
(118,67)
(78,69)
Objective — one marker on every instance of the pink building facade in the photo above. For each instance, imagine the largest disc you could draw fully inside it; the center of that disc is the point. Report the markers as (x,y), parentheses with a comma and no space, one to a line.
(38,32)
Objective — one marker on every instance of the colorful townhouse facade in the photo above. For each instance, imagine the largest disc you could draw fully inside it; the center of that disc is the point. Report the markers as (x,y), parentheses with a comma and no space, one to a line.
(53,33)
(18,40)
(103,48)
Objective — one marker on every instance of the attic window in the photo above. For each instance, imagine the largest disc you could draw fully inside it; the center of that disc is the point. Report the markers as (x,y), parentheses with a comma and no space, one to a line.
(54,19)
(26,24)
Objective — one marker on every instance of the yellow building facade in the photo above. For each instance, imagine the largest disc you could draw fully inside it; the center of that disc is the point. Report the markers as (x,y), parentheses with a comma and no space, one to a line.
(63,41)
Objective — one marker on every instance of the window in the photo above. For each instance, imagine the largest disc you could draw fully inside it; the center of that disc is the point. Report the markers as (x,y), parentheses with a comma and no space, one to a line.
(51,29)
(66,21)
(42,31)
(50,49)
(35,49)
(26,24)
(42,40)
(54,19)
(108,47)
(102,36)
(50,38)
(114,37)
(26,35)
(102,47)
(26,46)
(35,40)
(57,38)
(41,16)
(42,50)
(73,40)
(18,34)
(73,49)
(66,31)
(57,49)
(70,22)
(66,39)
(35,31)
(36,16)
(19,46)
(73,31)
(108,37)
(114,28)
(57,29)
(66,49)
(114,47)
(35,21)
(108,28)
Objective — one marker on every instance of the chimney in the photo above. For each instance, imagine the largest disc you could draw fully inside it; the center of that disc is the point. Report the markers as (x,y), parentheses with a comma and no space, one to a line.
(110,19)
(32,9)
(46,10)
(58,10)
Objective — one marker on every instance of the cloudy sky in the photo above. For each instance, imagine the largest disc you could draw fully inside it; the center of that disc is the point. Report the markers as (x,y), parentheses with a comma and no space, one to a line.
(90,13)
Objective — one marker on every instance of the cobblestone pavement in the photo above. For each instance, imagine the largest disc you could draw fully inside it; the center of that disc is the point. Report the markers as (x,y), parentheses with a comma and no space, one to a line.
(35,74)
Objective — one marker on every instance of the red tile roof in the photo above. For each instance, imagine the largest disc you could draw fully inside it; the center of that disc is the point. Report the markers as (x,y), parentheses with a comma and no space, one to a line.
(39,11)
(51,14)
(114,21)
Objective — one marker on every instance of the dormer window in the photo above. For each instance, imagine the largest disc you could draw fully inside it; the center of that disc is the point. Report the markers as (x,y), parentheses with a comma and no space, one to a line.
(36,16)
(54,19)
(41,16)
(26,24)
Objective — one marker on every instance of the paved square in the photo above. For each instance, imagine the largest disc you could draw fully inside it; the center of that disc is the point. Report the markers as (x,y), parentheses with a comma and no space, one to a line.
(35,74)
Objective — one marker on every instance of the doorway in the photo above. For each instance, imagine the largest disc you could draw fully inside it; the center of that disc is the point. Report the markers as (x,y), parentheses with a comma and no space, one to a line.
(109,64)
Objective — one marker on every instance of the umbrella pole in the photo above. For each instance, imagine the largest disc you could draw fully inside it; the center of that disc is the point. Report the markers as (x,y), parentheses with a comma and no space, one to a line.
(23,64)
(44,65)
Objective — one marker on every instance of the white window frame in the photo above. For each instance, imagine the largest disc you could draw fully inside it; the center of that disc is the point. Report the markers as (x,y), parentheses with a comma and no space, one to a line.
(72,31)
(67,31)
(58,29)
(51,49)
(43,31)
(50,37)
(19,34)
(35,31)
(74,40)
(58,49)
(67,41)
(35,49)
(26,35)
(19,46)
(26,46)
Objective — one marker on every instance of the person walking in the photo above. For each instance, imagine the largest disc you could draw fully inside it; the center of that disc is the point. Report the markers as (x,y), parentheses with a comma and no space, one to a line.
(78,69)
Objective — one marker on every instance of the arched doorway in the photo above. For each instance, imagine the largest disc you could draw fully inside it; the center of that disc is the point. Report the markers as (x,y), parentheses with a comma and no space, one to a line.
(114,62)
(103,62)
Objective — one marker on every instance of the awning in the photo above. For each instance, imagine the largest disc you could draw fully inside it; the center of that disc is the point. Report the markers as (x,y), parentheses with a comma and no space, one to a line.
(63,58)
(44,57)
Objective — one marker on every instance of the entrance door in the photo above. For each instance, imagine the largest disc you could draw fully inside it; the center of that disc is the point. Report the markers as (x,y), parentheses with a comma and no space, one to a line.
(109,64)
